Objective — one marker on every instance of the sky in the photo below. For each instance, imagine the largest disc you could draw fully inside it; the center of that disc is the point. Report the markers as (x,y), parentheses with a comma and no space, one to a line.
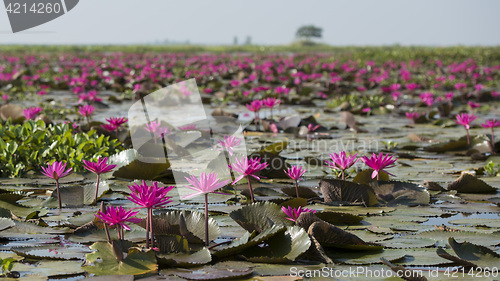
(268,22)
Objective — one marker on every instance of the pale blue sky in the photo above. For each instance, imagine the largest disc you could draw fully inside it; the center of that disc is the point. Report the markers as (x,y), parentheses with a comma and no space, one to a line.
(346,22)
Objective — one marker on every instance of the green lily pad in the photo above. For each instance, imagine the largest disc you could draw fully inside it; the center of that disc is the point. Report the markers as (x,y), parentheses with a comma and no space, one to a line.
(259,216)
(344,191)
(281,248)
(331,236)
(422,257)
(409,241)
(478,238)
(365,177)
(366,257)
(338,218)
(474,254)
(168,222)
(52,252)
(6,223)
(185,259)
(212,273)
(104,262)
(276,147)
(353,210)
(468,183)
(493,223)
(393,193)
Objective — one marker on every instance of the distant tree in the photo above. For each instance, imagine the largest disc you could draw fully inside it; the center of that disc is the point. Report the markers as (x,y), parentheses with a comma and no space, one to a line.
(235,40)
(248,41)
(307,32)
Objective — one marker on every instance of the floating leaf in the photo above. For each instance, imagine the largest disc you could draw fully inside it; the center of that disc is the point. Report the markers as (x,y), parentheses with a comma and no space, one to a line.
(422,257)
(409,241)
(281,248)
(276,147)
(393,193)
(105,263)
(478,255)
(259,216)
(76,195)
(365,177)
(331,236)
(6,223)
(168,222)
(407,274)
(276,165)
(170,243)
(236,246)
(185,259)
(365,257)
(52,252)
(344,191)
(304,192)
(212,273)
(339,218)
(468,183)
(295,203)
(493,223)
(142,170)
(483,239)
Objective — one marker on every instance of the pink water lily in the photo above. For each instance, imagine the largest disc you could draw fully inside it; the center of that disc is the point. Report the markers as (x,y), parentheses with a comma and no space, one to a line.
(342,162)
(465,120)
(295,173)
(248,168)
(492,123)
(86,111)
(294,213)
(229,143)
(98,168)
(270,103)
(379,163)
(119,217)
(207,183)
(32,112)
(149,197)
(56,171)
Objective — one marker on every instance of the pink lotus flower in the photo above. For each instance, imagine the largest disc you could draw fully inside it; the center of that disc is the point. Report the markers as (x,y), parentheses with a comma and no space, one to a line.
(396,95)
(492,123)
(207,183)
(5,97)
(412,115)
(495,94)
(449,96)
(293,213)
(152,126)
(295,173)
(149,197)
(255,106)
(271,102)
(108,127)
(465,119)
(248,168)
(342,161)
(56,171)
(460,86)
(119,217)
(189,127)
(98,168)
(366,110)
(379,163)
(273,128)
(412,86)
(117,121)
(473,104)
(229,143)
(312,128)
(32,112)
(86,110)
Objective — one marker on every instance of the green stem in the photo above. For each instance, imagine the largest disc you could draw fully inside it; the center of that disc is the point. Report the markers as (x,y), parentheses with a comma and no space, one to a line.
(468,137)
(151,227)
(492,140)
(250,189)
(58,194)
(206,220)
(297,188)
(147,230)
(96,189)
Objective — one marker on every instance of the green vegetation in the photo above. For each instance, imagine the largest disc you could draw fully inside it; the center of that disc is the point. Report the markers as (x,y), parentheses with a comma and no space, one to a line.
(34,144)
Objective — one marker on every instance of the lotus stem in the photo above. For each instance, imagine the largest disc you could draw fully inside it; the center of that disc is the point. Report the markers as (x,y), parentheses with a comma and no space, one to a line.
(343,175)
(105,225)
(250,189)
(151,227)
(96,189)
(147,230)
(58,194)
(297,188)
(492,140)
(118,232)
(206,220)
(468,137)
